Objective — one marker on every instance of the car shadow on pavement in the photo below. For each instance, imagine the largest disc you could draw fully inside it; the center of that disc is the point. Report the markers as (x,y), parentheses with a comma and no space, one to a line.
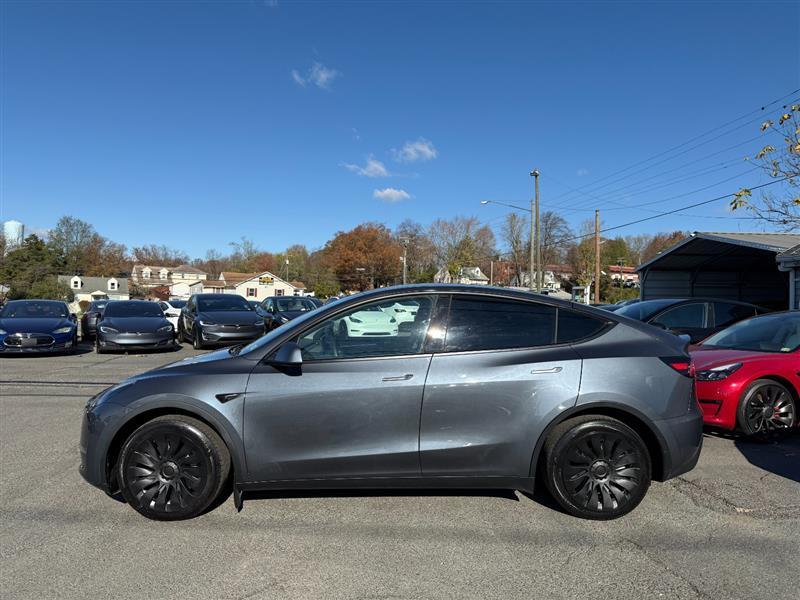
(779,455)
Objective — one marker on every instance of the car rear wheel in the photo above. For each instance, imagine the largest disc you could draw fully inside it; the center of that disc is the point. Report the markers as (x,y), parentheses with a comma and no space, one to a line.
(766,407)
(596,467)
(173,467)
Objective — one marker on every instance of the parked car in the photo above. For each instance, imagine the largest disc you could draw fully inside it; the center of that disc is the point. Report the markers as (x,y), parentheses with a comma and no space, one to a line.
(90,318)
(172,310)
(484,388)
(748,375)
(317,302)
(133,325)
(370,321)
(332,299)
(218,319)
(696,317)
(254,303)
(37,326)
(278,310)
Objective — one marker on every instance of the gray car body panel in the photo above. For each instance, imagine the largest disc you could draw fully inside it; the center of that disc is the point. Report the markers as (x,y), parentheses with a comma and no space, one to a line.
(470,418)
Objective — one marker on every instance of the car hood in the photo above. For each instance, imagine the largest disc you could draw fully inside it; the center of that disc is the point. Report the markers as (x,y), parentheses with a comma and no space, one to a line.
(40,325)
(705,358)
(230,317)
(135,324)
(217,355)
(290,314)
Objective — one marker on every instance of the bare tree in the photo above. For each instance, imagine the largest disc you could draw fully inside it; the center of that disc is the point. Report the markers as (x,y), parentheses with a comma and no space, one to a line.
(514,232)
(462,242)
(555,234)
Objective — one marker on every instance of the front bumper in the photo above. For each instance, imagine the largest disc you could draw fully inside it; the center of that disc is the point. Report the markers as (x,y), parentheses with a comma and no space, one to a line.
(720,401)
(222,334)
(136,341)
(42,343)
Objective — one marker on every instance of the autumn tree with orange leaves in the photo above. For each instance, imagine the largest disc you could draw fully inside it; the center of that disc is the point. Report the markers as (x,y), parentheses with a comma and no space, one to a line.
(365,257)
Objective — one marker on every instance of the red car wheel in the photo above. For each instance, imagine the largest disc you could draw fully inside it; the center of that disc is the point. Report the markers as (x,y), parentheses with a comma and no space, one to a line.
(766,407)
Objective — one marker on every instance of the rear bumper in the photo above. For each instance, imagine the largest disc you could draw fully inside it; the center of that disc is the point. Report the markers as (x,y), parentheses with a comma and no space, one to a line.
(683,441)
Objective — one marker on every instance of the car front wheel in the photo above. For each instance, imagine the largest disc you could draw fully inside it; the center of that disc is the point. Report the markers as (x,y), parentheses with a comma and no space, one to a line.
(597,467)
(197,338)
(173,467)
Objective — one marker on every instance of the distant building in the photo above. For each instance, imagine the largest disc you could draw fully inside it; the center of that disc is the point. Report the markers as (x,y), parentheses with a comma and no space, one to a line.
(179,278)
(14,233)
(466,275)
(96,288)
(253,286)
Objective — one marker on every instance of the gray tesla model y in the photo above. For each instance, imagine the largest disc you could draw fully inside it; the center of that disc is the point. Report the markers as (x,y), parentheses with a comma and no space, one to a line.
(476,387)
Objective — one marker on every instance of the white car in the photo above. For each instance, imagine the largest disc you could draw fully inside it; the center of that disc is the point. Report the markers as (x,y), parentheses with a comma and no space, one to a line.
(403,312)
(367,322)
(172,310)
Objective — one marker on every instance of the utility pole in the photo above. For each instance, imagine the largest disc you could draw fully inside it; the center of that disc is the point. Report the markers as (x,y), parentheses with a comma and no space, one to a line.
(597,257)
(491,272)
(536,253)
(405,258)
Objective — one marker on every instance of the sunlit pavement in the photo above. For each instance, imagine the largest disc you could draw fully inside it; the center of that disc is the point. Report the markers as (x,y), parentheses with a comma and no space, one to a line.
(728,529)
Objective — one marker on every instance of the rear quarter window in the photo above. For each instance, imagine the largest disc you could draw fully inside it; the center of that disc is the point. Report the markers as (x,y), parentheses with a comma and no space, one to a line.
(574,326)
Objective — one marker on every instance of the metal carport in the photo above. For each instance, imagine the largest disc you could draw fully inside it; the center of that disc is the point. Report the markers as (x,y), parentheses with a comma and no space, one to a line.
(735,266)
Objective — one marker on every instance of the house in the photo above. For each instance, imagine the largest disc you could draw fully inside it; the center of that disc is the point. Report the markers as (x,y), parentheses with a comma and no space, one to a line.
(553,277)
(738,266)
(86,289)
(789,262)
(258,286)
(627,275)
(155,275)
(466,275)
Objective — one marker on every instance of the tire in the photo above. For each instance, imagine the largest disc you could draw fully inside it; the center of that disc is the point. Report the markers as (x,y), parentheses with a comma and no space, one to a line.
(197,338)
(181,333)
(597,467)
(97,347)
(766,407)
(172,468)
(74,348)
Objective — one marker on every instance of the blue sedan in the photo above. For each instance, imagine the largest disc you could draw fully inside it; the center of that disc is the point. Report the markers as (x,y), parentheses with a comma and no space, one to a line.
(35,326)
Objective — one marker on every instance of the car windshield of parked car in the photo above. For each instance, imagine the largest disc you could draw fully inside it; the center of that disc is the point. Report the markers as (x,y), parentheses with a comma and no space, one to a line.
(770,333)
(98,305)
(226,303)
(641,311)
(288,304)
(35,309)
(177,303)
(124,309)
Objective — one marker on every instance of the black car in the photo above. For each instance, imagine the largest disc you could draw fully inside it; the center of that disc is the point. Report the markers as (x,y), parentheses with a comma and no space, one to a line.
(278,310)
(696,317)
(37,326)
(90,318)
(133,325)
(218,319)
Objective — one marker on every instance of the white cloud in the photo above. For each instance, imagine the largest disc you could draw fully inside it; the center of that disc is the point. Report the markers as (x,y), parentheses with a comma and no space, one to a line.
(372,168)
(419,150)
(391,195)
(318,75)
(582,172)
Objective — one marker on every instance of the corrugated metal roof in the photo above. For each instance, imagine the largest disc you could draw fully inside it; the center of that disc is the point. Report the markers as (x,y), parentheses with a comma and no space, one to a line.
(767,241)
(791,252)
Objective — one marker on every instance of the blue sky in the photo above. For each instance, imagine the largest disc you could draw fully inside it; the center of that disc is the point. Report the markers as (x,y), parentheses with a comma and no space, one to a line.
(194,124)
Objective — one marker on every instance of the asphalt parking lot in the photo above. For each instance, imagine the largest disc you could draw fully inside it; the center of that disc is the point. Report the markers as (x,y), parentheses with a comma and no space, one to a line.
(728,529)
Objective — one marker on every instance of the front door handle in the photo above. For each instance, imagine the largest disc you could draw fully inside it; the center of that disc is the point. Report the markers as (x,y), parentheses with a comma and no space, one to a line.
(543,371)
(405,377)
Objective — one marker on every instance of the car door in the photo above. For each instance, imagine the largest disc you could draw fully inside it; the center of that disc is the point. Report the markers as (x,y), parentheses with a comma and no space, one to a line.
(690,318)
(351,410)
(500,379)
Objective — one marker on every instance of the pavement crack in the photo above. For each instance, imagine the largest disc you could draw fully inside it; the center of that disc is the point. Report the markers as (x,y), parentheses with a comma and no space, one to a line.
(695,589)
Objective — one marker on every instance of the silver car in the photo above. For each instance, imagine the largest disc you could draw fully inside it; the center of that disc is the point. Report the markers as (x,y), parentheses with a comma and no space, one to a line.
(484,387)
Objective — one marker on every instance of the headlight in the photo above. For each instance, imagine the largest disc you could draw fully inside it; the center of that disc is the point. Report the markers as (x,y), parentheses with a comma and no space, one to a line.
(63,330)
(165,328)
(718,373)
(355,319)
(206,323)
(3,332)
(107,329)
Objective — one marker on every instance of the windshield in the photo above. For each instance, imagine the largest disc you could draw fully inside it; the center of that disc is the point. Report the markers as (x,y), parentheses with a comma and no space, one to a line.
(177,303)
(641,311)
(124,309)
(222,303)
(34,309)
(769,333)
(98,305)
(287,303)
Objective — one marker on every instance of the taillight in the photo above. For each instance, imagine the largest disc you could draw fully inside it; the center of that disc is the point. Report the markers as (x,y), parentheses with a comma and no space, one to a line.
(681,364)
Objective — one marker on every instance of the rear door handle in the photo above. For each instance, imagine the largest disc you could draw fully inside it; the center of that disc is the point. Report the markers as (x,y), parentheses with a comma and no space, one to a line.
(405,377)
(543,371)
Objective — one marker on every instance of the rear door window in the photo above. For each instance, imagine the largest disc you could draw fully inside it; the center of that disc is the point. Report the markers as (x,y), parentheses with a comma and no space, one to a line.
(477,323)
(727,313)
(683,316)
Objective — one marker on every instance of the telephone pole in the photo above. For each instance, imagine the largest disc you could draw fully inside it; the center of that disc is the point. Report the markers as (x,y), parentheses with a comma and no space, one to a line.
(405,258)
(536,251)
(597,257)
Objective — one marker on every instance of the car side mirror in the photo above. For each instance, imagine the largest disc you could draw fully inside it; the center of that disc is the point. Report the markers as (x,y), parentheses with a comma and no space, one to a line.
(288,355)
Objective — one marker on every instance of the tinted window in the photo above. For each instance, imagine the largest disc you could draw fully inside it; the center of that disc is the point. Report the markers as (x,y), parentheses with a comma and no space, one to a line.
(576,326)
(490,324)
(368,330)
(178,303)
(291,303)
(726,313)
(641,311)
(132,309)
(222,303)
(770,333)
(34,309)
(686,315)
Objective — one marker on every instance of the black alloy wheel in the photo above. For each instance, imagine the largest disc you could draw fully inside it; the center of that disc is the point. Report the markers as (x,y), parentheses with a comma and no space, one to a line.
(97,348)
(597,467)
(197,337)
(173,467)
(181,335)
(767,407)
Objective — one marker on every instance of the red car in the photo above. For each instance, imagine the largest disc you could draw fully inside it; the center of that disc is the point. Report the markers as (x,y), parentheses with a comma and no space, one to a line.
(748,375)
